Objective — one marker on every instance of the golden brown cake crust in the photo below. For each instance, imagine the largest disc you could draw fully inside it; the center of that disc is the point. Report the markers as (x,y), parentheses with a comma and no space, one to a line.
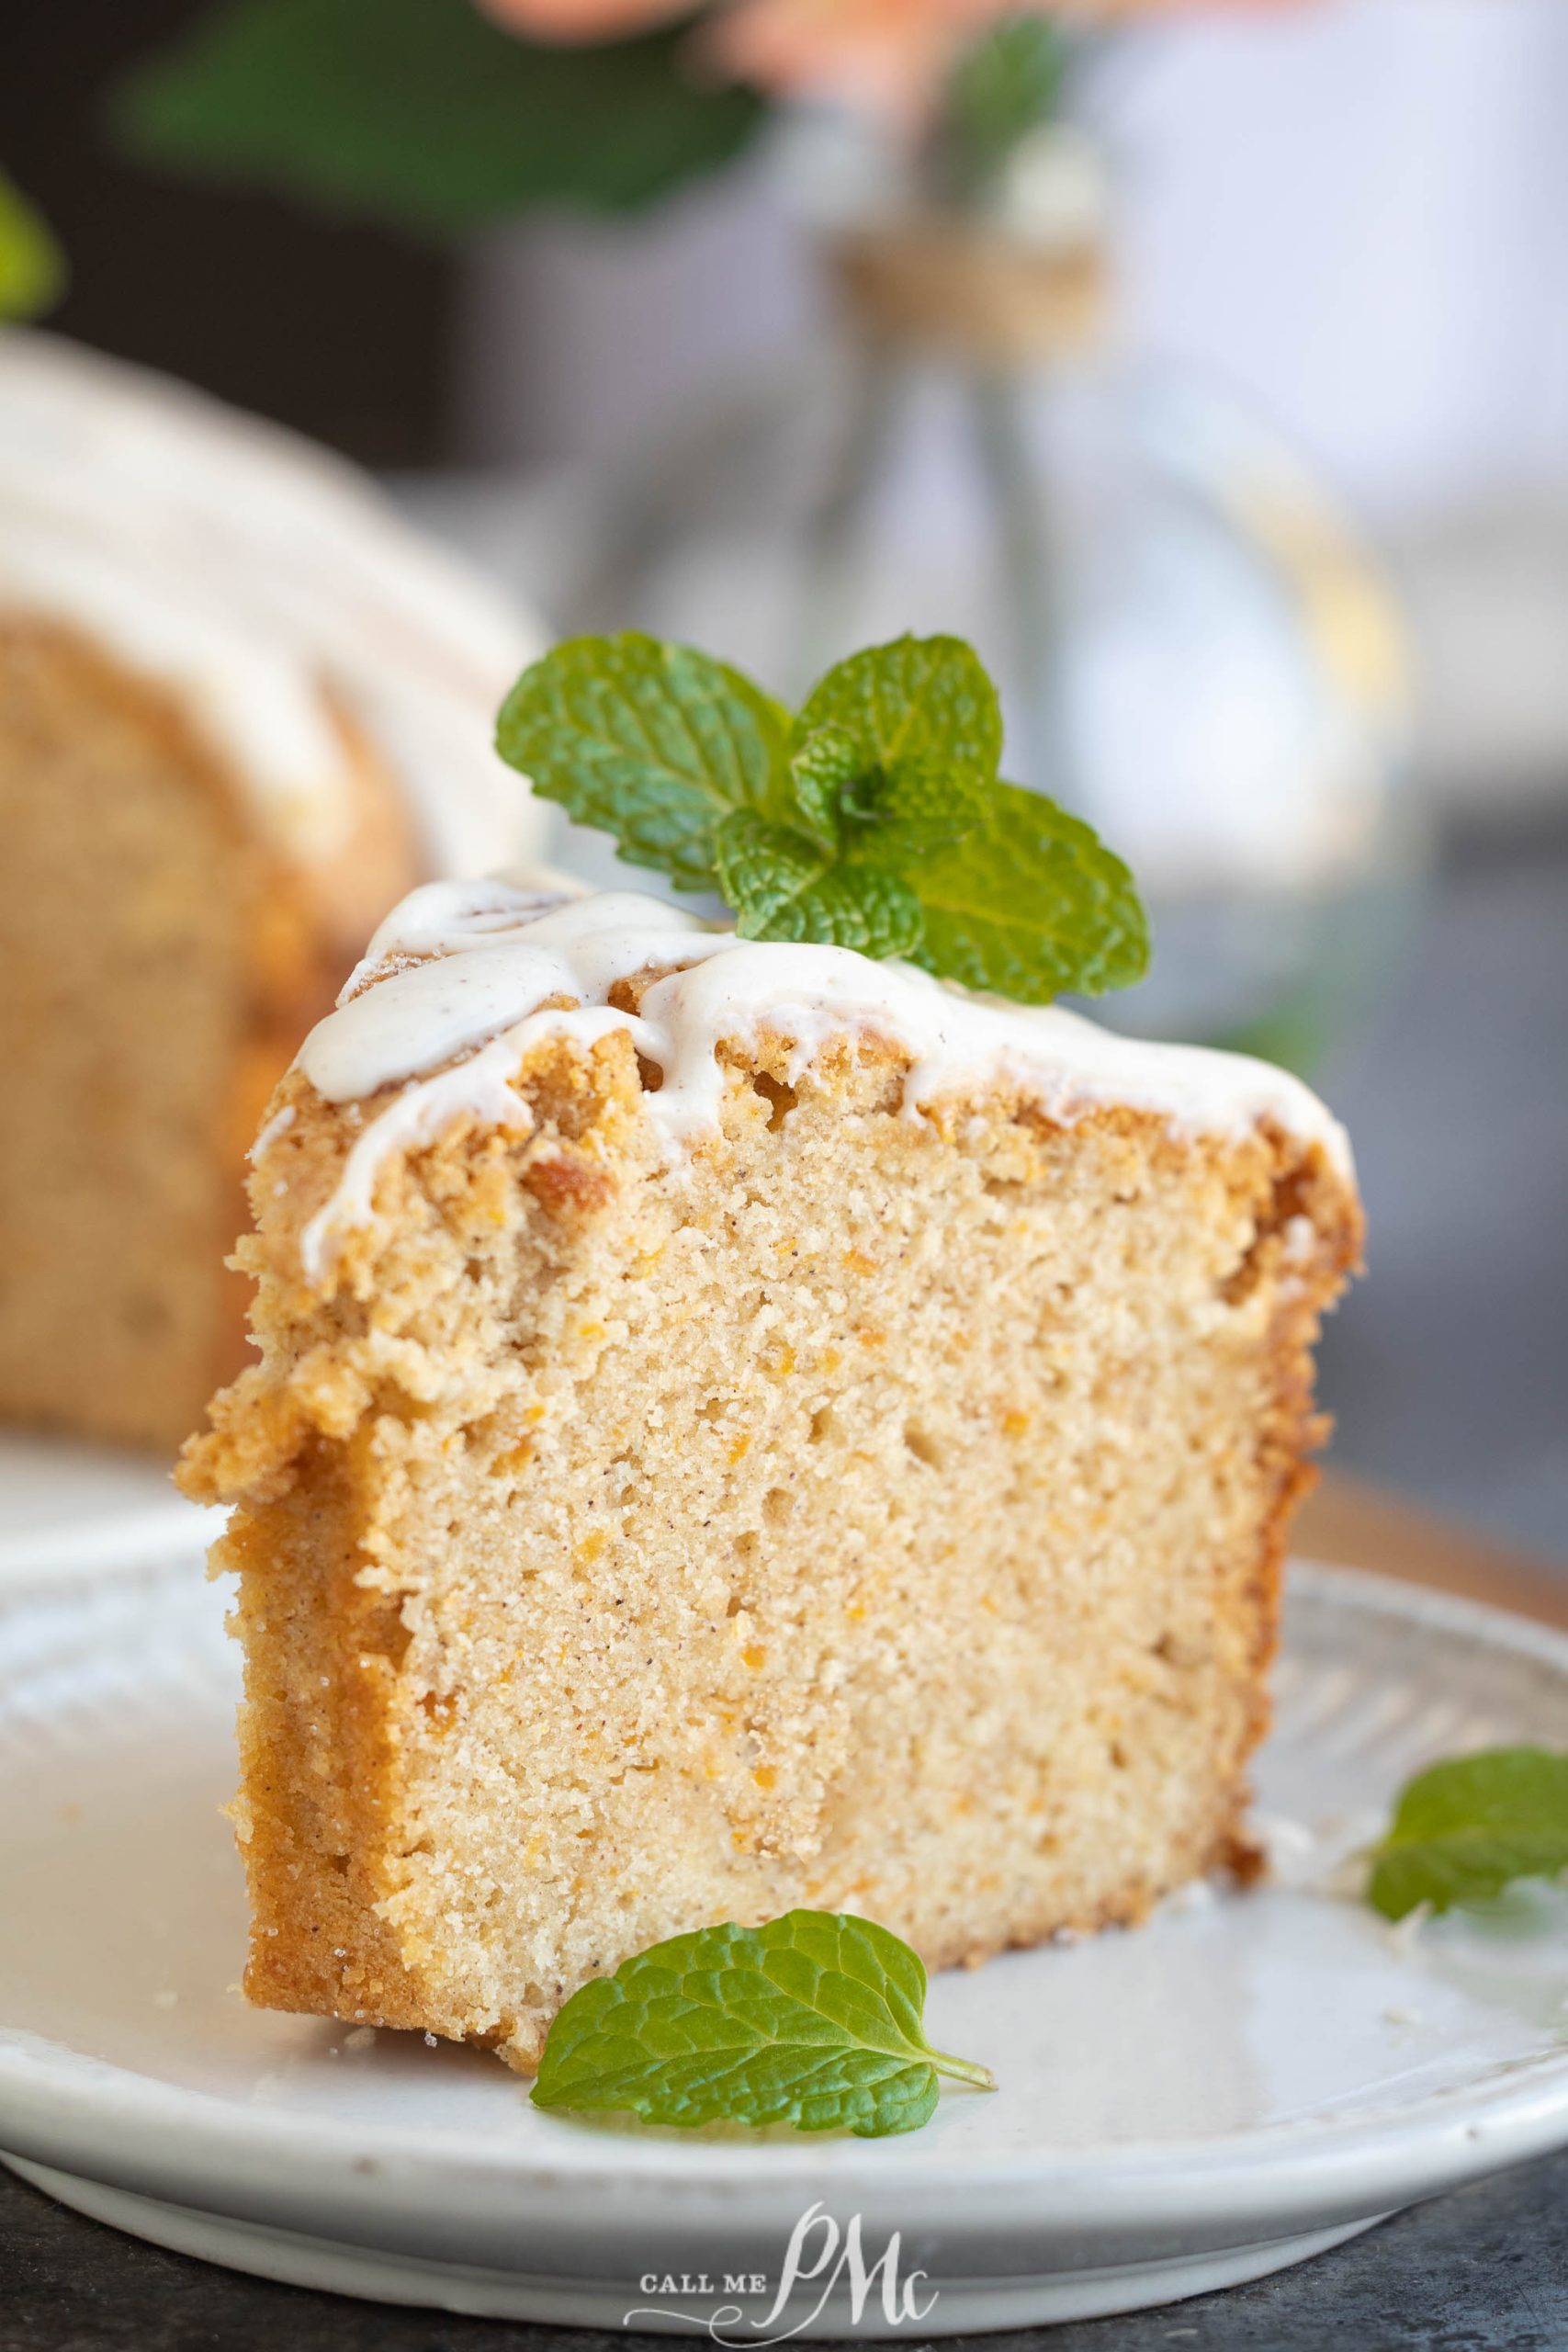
(162,963)
(489,1432)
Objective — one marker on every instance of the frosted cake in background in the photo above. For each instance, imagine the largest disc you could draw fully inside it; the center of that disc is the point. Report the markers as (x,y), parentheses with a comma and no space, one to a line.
(242,709)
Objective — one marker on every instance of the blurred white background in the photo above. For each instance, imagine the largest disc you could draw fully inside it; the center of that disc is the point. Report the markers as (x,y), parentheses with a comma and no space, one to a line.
(1352,214)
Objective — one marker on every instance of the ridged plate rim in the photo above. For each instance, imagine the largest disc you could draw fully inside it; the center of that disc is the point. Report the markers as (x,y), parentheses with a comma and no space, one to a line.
(107,2124)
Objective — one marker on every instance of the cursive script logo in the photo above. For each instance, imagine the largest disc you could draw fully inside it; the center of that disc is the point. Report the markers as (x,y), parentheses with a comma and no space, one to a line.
(818,2256)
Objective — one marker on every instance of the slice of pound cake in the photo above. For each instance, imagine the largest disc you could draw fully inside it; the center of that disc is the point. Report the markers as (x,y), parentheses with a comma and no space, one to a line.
(742,1425)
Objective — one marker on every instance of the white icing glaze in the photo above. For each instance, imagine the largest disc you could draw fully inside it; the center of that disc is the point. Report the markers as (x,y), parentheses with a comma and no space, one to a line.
(250,571)
(278,1124)
(503,963)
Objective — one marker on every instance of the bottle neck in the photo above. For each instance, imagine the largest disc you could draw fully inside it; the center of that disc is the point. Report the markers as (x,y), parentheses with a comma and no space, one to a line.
(1018,275)
(938,285)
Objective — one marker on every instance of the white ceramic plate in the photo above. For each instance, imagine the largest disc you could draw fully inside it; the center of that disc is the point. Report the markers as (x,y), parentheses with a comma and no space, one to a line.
(67,1509)
(1242,2083)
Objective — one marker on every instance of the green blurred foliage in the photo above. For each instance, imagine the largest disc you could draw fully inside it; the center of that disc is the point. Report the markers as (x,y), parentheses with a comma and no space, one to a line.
(425,114)
(1011,82)
(32,267)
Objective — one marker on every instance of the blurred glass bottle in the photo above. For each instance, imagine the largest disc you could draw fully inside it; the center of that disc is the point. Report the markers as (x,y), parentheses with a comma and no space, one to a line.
(1192,649)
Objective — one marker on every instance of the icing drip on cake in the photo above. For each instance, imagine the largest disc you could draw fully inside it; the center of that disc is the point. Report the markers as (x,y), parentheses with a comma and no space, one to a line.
(265,582)
(464,978)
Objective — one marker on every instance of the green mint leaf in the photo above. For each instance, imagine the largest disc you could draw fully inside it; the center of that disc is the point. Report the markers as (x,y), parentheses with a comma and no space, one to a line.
(813,2020)
(653,742)
(916,732)
(426,114)
(921,805)
(32,268)
(763,869)
(821,769)
(1031,905)
(924,698)
(782,886)
(1463,1830)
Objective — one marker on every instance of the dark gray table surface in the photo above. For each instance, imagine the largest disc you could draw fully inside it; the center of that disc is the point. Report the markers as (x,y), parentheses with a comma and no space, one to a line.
(1448,1371)
(1484,2268)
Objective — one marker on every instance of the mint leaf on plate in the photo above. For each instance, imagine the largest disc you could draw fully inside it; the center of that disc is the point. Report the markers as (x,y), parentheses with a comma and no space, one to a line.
(783,887)
(1031,905)
(1463,1830)
(652,743)
(813,2020)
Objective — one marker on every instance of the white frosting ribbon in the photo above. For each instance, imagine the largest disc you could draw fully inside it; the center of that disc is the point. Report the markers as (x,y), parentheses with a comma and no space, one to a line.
(270,586)
(503,964)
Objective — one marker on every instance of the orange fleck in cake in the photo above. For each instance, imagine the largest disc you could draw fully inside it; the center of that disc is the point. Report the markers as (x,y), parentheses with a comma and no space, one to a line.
(743,1426)
(241,711)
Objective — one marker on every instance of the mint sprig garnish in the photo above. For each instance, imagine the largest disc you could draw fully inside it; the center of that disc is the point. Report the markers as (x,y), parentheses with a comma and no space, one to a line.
(875,820)
(1465,1829)
(813,2020)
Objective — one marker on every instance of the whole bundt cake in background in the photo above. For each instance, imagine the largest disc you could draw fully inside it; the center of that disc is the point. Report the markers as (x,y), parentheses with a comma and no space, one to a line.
(242,709)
